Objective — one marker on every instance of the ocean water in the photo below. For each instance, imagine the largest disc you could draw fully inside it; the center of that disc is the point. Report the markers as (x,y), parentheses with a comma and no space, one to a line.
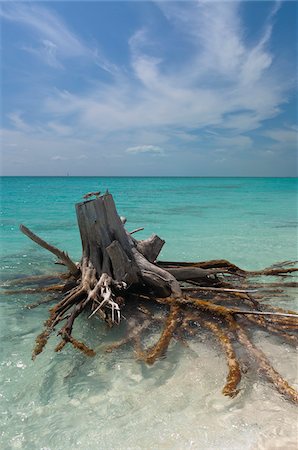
(68,401)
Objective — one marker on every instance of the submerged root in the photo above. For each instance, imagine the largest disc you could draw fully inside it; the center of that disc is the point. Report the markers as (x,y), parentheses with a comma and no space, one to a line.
(205,306)
(33,280)
(263,323)
(82,347)
(161,346)
(40,342)
(40,302)
(271,374)
(234,375)
(60,346)
(54,288)
(133,335)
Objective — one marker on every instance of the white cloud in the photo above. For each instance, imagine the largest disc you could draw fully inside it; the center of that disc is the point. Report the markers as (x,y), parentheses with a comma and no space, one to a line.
(152,149)
(283,135)
(46,23)
(55,41)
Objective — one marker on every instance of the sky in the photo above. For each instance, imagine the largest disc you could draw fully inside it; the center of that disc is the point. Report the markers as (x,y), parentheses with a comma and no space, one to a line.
(140,88)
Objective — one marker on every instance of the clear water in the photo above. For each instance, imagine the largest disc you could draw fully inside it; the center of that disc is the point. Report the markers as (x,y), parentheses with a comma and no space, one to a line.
(67,401)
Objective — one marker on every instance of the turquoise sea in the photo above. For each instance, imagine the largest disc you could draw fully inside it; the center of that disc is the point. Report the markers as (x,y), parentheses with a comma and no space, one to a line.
(65,401)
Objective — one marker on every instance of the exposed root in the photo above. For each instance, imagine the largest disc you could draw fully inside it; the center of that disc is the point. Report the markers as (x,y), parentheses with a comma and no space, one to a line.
(216,263)
(225,265)
(274,272)
(283,311)
(290,317)
(102,297)
(215,289)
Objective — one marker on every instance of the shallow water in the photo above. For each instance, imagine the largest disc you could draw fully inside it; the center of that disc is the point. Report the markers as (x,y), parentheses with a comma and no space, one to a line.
(68,401)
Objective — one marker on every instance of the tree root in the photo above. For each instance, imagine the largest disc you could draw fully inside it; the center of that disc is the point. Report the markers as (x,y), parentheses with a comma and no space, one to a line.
(133,335)
(271,374)
(161,346)
(234,375)
(33,279)
(40,302)
(291,339)
(53,288)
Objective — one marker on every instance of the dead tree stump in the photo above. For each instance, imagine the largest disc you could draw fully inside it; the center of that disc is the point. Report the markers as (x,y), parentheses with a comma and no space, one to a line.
(109,249)
(115,267)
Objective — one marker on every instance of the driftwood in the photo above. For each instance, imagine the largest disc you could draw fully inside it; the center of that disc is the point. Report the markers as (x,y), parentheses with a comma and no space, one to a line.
(119,278)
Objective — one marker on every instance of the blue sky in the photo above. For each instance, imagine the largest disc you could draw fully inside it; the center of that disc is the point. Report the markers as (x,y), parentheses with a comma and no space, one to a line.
(189,88)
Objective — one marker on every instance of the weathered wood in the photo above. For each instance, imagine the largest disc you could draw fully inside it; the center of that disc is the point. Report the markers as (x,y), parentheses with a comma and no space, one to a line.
(111,249)
(151,247)
(213,264)
(136,230)
(160,280)
(124,269)
(190,273)
(63,256)
(99,226)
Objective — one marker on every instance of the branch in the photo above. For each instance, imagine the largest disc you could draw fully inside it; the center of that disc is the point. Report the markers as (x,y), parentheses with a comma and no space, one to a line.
(136,230)
(59,253)
(201,288)
(265,313)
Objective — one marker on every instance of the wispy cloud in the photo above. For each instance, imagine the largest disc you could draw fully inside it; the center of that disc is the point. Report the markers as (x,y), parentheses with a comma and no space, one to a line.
(54,40)
(286,135)
(151,149)
(226,82)
(223,89)
(18,122)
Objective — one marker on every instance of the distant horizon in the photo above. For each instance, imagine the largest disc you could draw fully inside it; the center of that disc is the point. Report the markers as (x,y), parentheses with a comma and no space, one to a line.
(142,176)
(149,88)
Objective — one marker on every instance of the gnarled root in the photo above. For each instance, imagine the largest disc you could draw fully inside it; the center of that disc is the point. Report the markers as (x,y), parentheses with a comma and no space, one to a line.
(90,292)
